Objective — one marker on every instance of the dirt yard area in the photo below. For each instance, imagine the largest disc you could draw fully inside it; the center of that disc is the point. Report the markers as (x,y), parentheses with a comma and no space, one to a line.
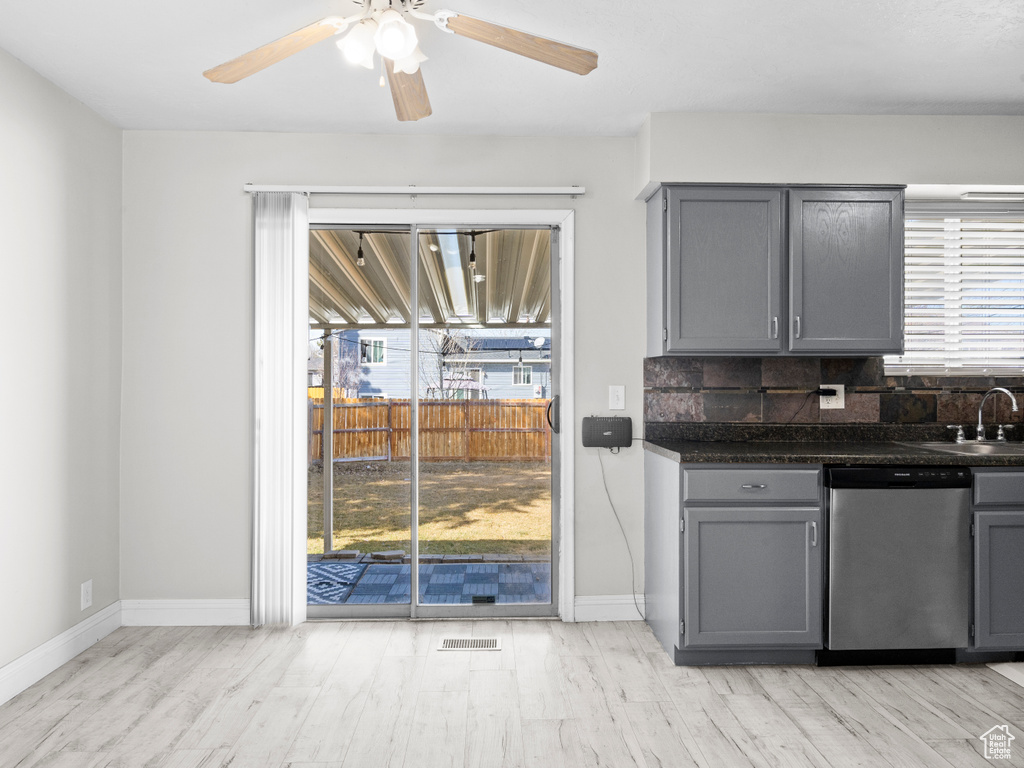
(465,507)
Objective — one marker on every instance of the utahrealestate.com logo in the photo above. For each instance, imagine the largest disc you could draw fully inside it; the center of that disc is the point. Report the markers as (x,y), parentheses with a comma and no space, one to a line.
(997,742)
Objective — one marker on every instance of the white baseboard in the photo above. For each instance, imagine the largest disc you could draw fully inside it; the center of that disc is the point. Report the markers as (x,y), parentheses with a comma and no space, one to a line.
(608,607)
(1013,671)
(40,661)
(184,613)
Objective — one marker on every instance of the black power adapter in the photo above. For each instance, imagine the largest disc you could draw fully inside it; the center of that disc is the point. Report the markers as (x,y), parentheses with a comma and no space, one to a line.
(607,432)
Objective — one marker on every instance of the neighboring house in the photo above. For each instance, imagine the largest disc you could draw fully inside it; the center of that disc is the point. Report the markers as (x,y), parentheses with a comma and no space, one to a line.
(465,365)
(506,367)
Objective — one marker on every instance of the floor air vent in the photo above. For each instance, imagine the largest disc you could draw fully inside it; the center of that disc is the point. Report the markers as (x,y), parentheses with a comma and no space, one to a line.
(469,644)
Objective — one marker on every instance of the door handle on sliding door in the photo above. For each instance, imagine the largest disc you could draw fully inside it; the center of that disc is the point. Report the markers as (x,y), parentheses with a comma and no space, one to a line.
(552,407)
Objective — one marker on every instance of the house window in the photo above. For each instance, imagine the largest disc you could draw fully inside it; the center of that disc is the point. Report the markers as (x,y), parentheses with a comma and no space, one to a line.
(963,291)
(522,375)
(372,352)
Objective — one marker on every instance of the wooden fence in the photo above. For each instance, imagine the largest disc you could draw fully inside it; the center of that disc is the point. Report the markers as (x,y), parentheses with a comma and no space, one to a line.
(450,430)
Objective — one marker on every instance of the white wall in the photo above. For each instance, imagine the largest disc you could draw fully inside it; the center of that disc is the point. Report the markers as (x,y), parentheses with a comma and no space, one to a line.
(60,315)
(829,149)
(186,428)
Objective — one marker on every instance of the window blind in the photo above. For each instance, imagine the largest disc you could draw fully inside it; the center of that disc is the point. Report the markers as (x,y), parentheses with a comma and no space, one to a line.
(963,291)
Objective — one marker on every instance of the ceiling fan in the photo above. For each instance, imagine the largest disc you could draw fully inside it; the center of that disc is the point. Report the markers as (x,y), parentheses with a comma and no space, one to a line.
(382,27)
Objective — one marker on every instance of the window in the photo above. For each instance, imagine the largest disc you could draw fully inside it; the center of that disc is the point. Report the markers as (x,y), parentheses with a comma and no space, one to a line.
(963,291)
(522,375)
(372,352)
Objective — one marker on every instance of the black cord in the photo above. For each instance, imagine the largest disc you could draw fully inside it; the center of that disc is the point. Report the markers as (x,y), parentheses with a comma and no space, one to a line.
(822,391)
(632,565)
(804,405)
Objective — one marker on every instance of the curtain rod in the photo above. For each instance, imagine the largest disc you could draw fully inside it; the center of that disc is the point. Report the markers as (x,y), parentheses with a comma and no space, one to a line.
(414,190)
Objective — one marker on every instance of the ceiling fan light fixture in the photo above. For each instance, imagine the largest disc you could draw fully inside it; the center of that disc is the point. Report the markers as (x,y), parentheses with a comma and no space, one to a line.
(395,37)
(358,45)
(410,64)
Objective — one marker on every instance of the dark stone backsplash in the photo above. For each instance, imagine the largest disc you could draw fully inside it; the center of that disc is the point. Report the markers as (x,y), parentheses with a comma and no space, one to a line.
(777,390)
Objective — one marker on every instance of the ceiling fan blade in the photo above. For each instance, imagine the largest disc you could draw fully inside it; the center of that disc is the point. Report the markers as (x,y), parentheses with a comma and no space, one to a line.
(408,92)
(252,62)
(578,60)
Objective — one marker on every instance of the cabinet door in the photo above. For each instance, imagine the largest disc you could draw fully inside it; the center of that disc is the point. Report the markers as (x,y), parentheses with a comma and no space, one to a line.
(846,271)
(723,270)
(999,580)
(752,576)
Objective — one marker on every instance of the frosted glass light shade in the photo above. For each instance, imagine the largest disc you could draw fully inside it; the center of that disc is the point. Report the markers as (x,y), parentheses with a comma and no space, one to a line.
(395,37)
(411,63)
(358,45)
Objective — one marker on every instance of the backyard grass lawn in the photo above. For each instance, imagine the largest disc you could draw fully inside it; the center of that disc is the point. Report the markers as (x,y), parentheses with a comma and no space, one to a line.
(465,508)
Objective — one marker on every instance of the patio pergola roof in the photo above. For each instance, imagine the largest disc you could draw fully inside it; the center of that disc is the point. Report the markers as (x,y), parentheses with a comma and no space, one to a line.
(511,286)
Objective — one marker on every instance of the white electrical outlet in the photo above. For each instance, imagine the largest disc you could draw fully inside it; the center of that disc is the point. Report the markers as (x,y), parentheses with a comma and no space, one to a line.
(616,398)
(86,594)
(838,400)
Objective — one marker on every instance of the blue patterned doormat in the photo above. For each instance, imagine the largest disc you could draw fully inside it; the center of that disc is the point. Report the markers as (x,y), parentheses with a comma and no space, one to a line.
(331,583)
(444,583)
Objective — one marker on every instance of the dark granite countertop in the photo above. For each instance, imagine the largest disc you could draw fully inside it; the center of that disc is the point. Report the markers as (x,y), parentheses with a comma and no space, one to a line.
(744,444)
(709,452)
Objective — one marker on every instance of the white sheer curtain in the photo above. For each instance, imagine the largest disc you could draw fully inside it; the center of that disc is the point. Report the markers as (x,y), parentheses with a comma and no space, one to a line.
(281,312)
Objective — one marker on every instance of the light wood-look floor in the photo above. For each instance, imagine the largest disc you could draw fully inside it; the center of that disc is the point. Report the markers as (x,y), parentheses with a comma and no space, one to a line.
(375,694)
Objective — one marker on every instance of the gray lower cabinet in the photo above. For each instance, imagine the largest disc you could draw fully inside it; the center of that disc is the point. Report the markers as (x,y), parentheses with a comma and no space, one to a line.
(733,561)
(998,562)
(747,270)
(752,576)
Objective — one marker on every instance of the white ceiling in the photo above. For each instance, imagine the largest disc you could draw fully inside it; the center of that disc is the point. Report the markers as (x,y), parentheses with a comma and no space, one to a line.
(139,64)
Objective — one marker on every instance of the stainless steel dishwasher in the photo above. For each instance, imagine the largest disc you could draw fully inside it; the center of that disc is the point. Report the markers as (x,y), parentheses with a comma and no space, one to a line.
(899,558)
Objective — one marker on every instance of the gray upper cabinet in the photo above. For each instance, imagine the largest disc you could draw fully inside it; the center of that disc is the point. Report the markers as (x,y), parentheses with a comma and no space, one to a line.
(723,274)
(746,270)
(846,271)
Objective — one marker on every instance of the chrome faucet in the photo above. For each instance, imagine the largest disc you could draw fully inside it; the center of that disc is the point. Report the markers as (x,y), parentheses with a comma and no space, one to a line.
(981,427)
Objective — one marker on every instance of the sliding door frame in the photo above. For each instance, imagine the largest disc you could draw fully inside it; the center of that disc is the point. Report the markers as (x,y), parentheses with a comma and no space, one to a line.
(564,220)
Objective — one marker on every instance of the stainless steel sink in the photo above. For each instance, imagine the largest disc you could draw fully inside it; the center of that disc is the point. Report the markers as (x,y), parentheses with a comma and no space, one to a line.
(972,448)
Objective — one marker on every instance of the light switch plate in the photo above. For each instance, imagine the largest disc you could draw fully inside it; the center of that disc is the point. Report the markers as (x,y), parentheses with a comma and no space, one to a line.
(616,398)
(838,400)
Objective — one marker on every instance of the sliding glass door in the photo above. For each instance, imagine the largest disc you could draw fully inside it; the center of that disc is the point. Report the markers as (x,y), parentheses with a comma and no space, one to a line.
(431,451)
(360,341)
(484,513)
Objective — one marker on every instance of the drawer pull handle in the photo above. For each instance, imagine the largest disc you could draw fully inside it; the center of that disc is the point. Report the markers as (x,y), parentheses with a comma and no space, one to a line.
(814,534)
(754,485)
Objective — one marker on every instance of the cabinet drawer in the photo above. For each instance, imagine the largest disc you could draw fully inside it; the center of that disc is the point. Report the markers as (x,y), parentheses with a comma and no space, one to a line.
(751,484)
(998,487)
